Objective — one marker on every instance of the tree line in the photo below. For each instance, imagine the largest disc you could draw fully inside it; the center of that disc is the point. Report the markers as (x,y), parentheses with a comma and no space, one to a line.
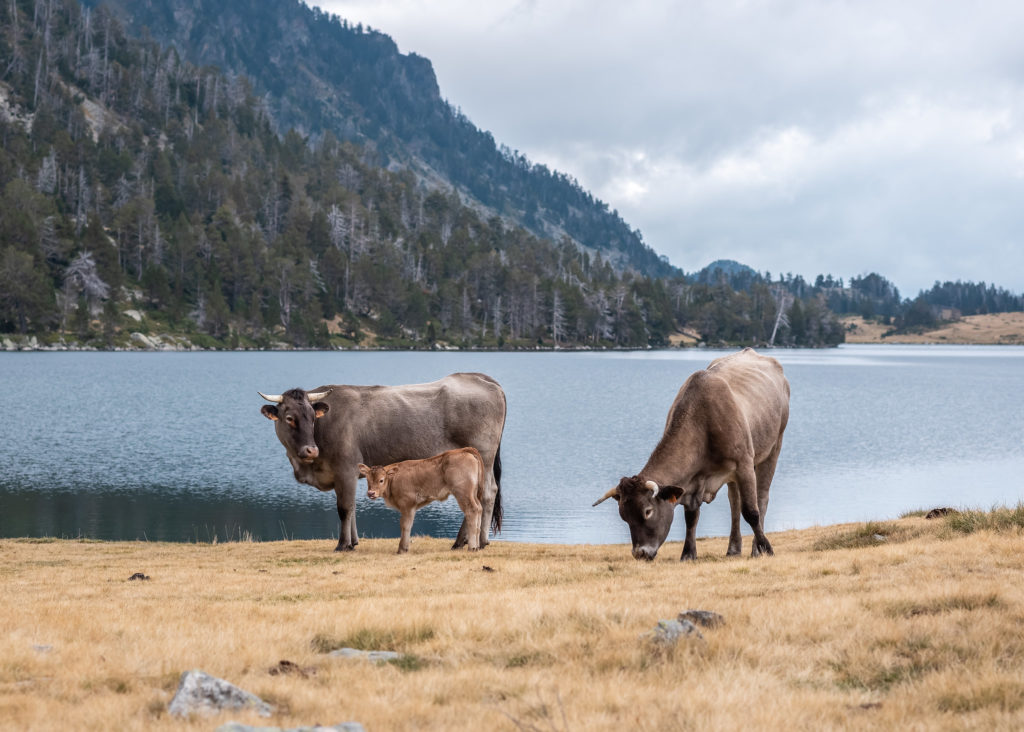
(142,192)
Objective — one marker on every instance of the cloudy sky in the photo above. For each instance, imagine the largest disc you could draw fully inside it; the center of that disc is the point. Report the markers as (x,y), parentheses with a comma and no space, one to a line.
(803,137)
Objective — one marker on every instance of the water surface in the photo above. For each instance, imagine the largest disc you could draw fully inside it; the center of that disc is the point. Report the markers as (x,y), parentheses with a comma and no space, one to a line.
(172,446)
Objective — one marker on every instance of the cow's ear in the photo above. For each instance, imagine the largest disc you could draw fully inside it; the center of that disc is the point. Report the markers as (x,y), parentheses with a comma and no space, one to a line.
(364,470)
(269,411)
(321,408)
(670,493)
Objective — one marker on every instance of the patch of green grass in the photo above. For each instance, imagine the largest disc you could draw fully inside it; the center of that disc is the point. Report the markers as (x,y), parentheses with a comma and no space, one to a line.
(1004,696)
(374,639)
(945,604)
(907,659)
(919,513)
(531,658)
(998,519)
(873,533)
(408,662)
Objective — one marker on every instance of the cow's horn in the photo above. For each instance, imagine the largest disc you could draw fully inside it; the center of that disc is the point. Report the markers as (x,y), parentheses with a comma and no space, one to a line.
(652,486)
(315,396)
(276,398)
(613,492)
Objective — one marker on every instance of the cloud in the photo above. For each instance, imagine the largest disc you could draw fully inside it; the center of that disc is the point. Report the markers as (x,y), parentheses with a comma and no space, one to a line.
(793,136)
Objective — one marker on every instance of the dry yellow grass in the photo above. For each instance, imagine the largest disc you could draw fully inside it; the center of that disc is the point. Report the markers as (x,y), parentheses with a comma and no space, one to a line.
(996,329)
(924,630)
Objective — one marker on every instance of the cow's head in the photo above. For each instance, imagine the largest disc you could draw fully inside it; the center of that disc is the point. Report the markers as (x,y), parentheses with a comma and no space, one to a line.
(294,413)
(378,480)
(648,509)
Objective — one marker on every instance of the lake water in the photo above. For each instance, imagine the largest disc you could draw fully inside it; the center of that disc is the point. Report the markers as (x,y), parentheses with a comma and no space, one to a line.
(172,446)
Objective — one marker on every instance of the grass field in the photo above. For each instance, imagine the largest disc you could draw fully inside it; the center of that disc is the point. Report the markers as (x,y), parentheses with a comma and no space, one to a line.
(908,624)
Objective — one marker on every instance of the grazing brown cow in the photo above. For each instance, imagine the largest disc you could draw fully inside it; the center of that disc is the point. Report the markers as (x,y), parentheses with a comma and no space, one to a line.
(412,484)
(725,427)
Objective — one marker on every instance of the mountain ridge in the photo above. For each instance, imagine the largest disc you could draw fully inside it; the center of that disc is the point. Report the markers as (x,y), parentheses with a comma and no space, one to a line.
(367,91)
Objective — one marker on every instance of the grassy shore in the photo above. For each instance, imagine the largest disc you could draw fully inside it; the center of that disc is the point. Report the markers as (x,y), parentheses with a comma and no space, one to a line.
(909,624)
(998,329)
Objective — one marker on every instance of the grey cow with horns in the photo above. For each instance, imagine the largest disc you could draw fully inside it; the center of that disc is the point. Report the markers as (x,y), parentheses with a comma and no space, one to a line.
(329,431)
(724,427)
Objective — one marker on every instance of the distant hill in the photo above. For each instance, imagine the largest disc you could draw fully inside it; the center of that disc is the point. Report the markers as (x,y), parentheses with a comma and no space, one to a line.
(317,73)
(727,268)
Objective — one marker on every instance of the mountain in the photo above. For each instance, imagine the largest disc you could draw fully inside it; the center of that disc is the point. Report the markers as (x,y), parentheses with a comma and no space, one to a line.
(319,73)
(149,202)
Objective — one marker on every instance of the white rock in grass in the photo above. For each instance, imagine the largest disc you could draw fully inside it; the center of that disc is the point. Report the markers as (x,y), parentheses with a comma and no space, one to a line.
(198,692)
(669,632)
(375,656)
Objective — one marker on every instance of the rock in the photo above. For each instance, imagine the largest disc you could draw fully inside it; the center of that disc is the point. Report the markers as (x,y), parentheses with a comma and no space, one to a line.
(142,340)
(198,692)
(703,618)
(668,632)
(138,576)
(134,315)
(939,512)
(40,648)
(342,727)
(375,656)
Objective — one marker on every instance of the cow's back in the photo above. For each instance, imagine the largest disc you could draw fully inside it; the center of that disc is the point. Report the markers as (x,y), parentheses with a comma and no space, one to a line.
(387,424)
(759,390)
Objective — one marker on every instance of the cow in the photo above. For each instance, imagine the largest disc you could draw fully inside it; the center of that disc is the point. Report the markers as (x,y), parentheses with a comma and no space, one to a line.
(724,427)
(412,484)
(328,431)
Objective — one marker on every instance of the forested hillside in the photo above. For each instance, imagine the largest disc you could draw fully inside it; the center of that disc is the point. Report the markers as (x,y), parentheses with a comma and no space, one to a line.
(141,193)
(317,73)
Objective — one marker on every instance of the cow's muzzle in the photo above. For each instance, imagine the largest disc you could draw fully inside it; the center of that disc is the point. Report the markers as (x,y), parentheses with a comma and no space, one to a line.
(309,453)
(644,552)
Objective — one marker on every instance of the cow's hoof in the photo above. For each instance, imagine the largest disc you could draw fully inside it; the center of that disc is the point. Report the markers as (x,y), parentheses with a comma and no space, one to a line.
(458,545)
(344,548)
(473,549)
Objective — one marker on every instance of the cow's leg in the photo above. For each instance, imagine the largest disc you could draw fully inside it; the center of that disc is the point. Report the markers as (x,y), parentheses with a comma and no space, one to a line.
(735,538)
(345,490)
(460,538)
(746,480)
(765,472)
(472,511)
(487,508)
(690,543)
(406,523)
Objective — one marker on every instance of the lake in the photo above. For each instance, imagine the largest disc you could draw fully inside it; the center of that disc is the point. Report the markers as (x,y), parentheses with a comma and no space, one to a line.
(172,446)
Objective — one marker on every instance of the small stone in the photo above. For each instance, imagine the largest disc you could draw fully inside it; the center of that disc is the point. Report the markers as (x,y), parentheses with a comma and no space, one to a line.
(198,692)
(40,648)
(668,632)
(704,618)
(374,656)
(138,576)
(939,512)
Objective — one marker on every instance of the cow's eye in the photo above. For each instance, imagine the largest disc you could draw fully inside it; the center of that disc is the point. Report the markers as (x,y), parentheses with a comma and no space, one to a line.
(648,512)
(290,421)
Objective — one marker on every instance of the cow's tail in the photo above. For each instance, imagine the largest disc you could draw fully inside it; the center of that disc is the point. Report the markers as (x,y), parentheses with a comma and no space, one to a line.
(497,514)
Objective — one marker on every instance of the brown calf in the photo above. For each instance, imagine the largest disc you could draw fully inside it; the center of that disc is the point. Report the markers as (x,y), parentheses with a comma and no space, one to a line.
(412,484)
